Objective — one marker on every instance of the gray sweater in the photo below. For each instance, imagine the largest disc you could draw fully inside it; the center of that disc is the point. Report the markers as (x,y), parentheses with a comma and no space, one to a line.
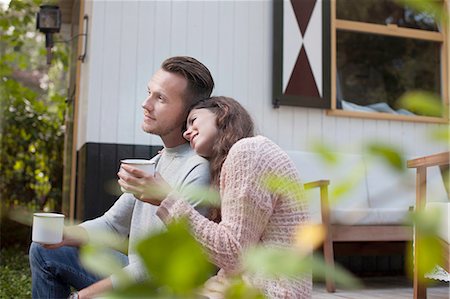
(128,217)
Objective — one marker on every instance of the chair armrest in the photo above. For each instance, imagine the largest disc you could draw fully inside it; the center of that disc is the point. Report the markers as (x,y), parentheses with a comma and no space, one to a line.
(421,164)
(428,161)
(316,184)
(324,202)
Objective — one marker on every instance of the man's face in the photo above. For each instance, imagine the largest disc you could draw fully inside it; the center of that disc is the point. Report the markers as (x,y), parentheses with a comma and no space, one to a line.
(164,107)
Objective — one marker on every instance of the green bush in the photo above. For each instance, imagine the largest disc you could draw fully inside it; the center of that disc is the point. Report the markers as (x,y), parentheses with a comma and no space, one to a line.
(15,275)
(32,104)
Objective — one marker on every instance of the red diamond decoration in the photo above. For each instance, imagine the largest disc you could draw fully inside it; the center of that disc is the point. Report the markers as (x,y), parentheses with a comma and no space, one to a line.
(303,10)
(302,80)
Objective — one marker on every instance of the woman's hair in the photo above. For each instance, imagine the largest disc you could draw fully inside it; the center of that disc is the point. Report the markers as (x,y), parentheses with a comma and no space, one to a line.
(233,123)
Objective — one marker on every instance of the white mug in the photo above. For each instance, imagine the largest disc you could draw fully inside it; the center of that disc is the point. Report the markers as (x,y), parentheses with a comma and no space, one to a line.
(48,228)
(147,166)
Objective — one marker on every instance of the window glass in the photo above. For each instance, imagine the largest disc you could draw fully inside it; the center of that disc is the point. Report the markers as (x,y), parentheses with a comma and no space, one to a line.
(384,12)
(376,68)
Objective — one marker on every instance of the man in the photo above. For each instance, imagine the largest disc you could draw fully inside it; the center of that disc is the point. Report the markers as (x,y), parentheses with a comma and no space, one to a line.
(179,83)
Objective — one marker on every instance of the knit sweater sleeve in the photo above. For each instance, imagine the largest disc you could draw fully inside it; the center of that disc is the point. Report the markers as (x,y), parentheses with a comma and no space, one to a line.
(246,209)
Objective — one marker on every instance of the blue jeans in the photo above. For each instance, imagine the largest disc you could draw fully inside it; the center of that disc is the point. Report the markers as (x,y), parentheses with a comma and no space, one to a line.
(54,271)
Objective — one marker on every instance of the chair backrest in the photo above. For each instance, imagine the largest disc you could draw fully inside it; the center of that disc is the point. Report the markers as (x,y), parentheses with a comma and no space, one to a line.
(389,188)
(436,191)
(312,167)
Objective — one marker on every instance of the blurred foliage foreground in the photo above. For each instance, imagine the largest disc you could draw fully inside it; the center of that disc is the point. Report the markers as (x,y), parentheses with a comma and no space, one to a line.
(178,267)
(32,132)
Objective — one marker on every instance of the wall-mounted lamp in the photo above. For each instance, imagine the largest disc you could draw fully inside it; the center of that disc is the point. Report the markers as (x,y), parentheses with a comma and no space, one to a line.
(48,21)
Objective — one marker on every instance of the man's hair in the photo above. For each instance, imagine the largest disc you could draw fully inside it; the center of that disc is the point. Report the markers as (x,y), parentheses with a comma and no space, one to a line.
(200,83)
(233,123)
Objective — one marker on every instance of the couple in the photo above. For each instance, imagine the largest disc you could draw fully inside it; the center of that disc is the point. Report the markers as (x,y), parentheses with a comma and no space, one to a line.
(220,130)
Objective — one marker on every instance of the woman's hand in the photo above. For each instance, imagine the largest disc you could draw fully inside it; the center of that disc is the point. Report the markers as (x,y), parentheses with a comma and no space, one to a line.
(145,187)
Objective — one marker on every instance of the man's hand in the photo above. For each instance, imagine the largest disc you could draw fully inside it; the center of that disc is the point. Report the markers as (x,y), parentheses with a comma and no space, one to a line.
(72,236)
(145,187)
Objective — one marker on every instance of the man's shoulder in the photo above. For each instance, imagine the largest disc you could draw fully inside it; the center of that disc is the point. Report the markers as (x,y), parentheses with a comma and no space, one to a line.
(191,157)
(197,160)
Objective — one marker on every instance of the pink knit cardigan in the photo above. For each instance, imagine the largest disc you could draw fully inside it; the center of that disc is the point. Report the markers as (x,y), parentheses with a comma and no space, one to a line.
(251,214)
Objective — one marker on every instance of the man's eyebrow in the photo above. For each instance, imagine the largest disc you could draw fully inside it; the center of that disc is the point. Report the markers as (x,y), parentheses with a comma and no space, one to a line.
(157,92)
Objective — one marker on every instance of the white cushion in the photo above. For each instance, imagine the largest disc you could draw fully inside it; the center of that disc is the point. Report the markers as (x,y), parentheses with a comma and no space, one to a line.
(368,216)
(435,186)
(312,167)
(381,196)
(443,209)
(389,188)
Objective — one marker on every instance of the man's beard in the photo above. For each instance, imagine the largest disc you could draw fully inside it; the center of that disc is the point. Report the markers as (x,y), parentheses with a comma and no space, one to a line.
(162,131)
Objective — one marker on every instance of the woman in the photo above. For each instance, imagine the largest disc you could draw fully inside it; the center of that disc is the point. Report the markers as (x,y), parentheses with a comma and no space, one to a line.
(221,130)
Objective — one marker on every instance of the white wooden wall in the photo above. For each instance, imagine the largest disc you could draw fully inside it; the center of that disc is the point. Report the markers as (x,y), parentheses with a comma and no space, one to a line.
(128,40)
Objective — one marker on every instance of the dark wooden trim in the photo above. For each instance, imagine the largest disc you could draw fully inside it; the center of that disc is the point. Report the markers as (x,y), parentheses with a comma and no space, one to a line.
(370,248)
(277,59)
(326,53)
(97,167)
(278,98)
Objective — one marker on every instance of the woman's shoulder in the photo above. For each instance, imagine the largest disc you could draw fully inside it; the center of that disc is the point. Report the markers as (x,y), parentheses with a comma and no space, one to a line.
(251,142)
(255,144)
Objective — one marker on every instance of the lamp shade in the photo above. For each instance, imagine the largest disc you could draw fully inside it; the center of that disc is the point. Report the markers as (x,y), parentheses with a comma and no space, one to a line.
(49,19)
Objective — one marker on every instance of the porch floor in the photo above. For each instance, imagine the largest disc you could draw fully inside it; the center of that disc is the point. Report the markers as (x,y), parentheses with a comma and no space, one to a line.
(384,287)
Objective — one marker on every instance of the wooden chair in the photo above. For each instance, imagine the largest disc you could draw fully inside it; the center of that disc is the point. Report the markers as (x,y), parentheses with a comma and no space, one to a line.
(352,233)
(327,244)
(421,164)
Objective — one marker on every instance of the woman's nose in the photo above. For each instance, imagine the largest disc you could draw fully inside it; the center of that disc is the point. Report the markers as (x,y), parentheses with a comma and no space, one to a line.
(187,134)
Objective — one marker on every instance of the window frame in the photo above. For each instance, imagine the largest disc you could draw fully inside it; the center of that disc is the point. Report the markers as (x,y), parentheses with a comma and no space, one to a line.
(389,30)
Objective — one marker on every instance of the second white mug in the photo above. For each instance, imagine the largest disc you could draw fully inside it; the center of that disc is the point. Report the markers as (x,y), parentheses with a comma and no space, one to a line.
(147,166)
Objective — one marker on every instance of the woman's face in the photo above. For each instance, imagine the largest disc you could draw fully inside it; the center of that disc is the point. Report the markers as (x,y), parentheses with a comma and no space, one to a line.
(201,131)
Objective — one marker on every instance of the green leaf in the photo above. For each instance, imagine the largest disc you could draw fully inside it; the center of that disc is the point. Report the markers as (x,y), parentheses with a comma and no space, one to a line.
(435,9)
(137,290)
(283,186)
(102,261)
(441,134)
(388,153)
(422,102)
(326,153)
(342,187)
(426,224)
(211,197)
(241,290)
(174,259)
(275,262)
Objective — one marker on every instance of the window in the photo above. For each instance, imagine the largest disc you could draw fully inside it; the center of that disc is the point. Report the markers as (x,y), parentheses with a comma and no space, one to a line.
(356,58)
(382,50)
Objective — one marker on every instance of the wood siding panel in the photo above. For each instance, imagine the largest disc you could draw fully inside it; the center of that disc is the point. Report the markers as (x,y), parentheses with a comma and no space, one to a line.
(285,128)
(255,53)
(224,72)
(240,50)
(194,28)
(179,26)
(128,42)
(211,41)
(94,74)
(314,127)
(127,74)
(145,65)
(109,112)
